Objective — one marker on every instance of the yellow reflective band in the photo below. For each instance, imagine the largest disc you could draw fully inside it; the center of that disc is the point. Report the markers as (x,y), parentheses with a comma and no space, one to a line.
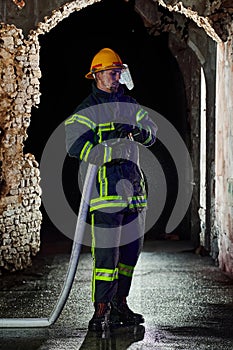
(82,120)
(137,205)
(140,115)
(142,183)
(71,120)
(104,127)
(149,137)
(104,187)
(107,154)
(86,150)
(125,270)
(108,205)
(137,201)
(138,197)
(103,181)
(107,202)
(102,173)
(106,274)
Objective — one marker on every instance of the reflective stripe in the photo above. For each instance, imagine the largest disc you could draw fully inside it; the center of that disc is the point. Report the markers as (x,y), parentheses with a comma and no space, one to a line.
(117,201)
(148,140)
(81,119)
(103,181)
(104,127)
(106,274)
(71,120)
(143,186)
(107,154)
(142,197)
(104,187)
(137,201)
(108,205)
(125,270)
(107,202)
(99,274)
(102,173)
(137,205)
(140,115)
(86,150)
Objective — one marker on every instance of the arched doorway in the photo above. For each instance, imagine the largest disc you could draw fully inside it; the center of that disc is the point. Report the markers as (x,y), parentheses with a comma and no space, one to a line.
(66,52)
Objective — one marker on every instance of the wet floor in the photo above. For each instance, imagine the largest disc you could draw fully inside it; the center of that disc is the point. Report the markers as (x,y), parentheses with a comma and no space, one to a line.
(186,300)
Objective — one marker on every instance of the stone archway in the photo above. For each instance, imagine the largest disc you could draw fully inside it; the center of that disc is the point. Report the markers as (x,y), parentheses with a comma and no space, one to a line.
(20,218)
(150,71)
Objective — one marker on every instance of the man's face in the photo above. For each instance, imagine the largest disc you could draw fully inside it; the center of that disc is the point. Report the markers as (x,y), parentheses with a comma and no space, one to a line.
(108,80)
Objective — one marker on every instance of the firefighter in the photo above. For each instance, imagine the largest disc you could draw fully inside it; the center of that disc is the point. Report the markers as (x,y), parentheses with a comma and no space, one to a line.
(106,129)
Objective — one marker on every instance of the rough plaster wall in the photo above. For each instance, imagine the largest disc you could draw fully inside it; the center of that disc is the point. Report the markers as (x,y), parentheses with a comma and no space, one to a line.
(224,155)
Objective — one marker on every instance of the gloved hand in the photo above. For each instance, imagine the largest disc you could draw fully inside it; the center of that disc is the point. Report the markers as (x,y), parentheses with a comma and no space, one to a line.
(122,130)
(136,133)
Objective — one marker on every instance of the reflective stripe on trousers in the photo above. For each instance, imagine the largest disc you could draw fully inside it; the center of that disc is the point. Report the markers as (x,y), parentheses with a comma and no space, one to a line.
(114,258)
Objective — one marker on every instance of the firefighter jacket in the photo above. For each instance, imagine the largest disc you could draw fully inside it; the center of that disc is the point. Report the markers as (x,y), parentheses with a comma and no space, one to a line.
(106,129)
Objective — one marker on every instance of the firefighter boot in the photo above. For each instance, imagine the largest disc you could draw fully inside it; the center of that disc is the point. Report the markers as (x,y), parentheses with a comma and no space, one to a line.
(100,319)
(121,314)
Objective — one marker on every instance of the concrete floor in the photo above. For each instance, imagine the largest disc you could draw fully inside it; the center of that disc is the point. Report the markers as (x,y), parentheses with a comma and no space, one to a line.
(186,301)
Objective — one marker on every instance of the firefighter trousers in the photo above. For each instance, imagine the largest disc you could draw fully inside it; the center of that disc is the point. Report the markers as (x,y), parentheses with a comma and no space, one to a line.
(117,241)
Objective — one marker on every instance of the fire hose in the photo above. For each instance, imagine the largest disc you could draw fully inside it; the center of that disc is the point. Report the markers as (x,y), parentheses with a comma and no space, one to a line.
(72,267)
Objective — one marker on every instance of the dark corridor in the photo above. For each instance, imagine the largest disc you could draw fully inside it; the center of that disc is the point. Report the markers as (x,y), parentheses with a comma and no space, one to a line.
(66,54)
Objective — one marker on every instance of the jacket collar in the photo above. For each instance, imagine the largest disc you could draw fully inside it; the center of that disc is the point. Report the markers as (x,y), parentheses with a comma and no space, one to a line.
(106,95)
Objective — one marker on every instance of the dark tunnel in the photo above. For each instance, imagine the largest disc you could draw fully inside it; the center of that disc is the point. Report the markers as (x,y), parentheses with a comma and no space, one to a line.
(65,57)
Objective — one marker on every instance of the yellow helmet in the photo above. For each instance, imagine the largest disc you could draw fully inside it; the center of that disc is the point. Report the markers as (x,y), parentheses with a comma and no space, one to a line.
(103,60)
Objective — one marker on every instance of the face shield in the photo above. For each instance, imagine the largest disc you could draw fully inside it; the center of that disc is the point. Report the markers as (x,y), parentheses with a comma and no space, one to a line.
(126,77)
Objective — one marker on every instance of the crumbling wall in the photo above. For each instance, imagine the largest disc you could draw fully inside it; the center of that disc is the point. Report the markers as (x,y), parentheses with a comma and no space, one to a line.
(213,15)
(20,217)
(28,16)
